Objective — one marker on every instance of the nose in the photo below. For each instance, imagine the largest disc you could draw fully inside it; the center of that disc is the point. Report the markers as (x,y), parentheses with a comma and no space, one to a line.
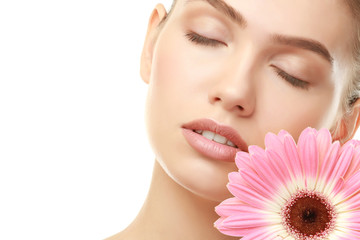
(235,94)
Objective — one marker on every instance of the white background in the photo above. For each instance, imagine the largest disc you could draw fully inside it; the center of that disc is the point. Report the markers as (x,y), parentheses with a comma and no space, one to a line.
(74,158)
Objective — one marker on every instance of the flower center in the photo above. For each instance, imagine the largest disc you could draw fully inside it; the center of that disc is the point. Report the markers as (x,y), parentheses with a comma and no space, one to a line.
(308,215)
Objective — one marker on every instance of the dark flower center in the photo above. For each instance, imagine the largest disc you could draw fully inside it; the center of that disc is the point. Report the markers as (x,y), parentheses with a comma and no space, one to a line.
(308,216)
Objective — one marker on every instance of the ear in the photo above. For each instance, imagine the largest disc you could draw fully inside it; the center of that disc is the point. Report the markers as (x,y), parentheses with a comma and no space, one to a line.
(349,126)
(157,15)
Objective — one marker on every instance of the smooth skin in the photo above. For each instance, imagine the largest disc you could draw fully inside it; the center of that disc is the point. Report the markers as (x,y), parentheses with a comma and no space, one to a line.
(252,76)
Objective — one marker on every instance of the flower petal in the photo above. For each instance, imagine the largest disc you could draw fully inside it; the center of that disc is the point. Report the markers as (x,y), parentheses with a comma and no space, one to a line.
(243,160)
(327,167)
(248,195)
(307,149)
(281,167)
(352,185)
(253,181)
(264,233)
(340,168)
(323,140)
(263,169)
(229,207)
(355,163)
(269,179)
(293,160)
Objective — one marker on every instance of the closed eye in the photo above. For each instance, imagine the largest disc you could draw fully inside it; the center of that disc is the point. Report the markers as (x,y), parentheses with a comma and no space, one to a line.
(201,40)
(292,80)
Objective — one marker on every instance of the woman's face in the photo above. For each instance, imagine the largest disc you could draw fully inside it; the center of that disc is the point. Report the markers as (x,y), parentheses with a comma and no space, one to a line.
(276,65)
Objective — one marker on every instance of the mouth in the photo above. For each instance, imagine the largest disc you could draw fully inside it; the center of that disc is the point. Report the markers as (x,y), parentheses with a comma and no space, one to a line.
(215,137)
(214,140)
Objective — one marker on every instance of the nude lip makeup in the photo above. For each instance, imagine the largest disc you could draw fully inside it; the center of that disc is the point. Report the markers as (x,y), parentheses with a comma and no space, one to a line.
(213,140)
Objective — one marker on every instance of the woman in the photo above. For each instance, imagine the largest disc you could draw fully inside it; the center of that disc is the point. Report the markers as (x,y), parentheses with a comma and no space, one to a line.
(223,73)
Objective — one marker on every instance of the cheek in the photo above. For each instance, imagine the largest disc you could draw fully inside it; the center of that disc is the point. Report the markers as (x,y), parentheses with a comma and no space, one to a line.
(184,67)
(171,72)
(180,76)
(177,87)
(168,103)
(293,110)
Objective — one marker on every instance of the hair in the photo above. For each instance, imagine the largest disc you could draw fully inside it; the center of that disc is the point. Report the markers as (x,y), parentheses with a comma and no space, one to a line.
(351,92)
(352,89)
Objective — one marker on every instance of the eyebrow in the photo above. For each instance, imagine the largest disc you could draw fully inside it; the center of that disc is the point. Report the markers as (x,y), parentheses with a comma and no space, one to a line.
(303,43)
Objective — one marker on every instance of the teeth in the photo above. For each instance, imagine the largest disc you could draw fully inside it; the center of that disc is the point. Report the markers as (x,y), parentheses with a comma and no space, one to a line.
(220,139)
(209,135)
(230,143)
(216,138)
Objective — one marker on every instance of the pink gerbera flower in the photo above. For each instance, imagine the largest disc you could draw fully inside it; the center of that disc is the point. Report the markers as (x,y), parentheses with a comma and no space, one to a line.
(308,191)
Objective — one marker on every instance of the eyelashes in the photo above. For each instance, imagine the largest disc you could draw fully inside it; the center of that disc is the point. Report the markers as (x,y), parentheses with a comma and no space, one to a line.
(201,40)
(292,80)
(204,41)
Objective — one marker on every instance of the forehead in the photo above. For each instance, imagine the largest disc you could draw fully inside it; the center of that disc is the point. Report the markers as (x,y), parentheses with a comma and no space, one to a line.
(326,21)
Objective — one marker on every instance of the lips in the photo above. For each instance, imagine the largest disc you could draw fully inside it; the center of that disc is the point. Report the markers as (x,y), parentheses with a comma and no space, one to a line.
(219,142)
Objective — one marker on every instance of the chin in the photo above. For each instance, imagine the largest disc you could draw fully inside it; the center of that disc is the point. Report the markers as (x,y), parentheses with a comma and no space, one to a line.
(191,171)
(205,179)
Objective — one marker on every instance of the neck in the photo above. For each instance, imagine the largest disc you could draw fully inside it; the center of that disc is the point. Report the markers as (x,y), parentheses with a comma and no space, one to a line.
(172,212)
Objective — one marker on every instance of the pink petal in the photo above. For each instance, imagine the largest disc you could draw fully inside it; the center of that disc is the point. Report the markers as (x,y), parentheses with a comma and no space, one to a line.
(338,186)
(247,195)
(228,231)
(236,232)
(351,194)
(235,177)
(293,157)
(273,142)
(231,201)
(329,162)
(353,221)
(346,237)
(262,163)
(353,202)
(341,165)
(279,165)
(260,234)
(352,185)
(245,221)
(230,206)
(253,181)
(354,143)
(350,234)
(323,140)
(355,163)
(265,171)
(253,149)
(307,149)
(234,209)
(243,160)
(282,134)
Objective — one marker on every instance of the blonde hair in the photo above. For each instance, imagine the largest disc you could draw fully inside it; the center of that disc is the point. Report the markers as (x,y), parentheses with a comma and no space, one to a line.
(352,89)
